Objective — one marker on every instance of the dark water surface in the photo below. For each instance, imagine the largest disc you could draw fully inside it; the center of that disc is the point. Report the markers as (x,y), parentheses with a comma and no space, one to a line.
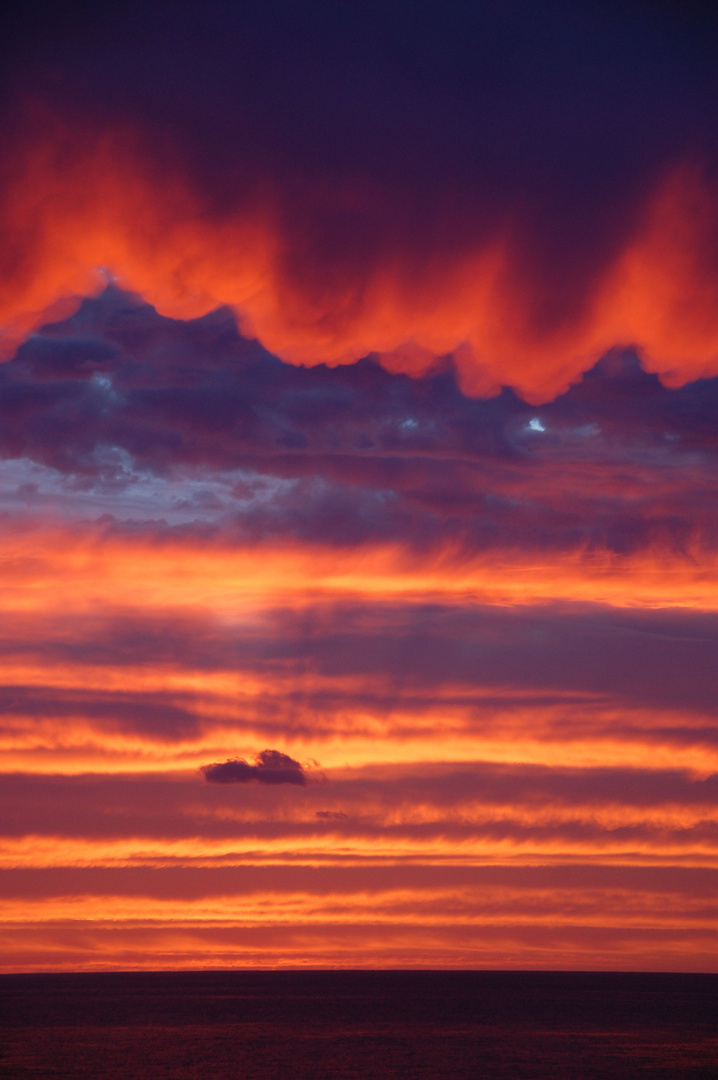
(286,1025)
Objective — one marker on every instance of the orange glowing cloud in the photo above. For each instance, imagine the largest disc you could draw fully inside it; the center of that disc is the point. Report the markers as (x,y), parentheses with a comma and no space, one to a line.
(57,569)
(81,203)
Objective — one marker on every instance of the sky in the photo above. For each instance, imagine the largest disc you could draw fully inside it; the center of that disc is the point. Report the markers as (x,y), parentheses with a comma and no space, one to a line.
(358,486)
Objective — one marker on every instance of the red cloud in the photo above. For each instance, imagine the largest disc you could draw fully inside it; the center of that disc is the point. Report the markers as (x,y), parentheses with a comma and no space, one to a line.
(80,204)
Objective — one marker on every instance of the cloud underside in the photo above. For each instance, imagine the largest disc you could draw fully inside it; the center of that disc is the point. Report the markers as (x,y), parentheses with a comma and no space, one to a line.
(119,412)
(414,199)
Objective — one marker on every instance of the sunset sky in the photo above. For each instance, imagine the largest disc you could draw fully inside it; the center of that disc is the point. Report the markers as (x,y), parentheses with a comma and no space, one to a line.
(359,485)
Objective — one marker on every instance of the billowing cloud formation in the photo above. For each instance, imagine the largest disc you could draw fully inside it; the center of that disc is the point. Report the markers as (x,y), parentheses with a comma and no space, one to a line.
(520,188)
(173,425)
(270,767)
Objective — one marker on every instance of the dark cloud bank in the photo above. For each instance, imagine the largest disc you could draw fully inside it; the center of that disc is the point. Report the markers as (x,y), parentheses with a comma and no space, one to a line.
(117,394)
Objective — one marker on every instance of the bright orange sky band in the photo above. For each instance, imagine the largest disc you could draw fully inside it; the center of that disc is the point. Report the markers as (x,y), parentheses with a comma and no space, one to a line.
(444,822)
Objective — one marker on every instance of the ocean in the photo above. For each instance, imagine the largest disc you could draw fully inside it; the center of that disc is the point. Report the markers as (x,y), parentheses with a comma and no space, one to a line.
(292,1025)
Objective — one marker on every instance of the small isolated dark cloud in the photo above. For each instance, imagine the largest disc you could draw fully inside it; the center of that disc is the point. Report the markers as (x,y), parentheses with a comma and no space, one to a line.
(270,767)
(332,815)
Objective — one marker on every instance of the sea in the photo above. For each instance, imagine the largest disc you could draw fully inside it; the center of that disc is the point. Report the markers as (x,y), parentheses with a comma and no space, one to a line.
(363,1025)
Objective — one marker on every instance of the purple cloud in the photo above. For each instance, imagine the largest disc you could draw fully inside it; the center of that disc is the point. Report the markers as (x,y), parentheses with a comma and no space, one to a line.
(270,767)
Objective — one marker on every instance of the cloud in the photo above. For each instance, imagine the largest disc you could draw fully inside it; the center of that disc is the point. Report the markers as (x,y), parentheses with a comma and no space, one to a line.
(110,650)
(660,809)
(270,767)
(349,184)
(169,424)
(375,913)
